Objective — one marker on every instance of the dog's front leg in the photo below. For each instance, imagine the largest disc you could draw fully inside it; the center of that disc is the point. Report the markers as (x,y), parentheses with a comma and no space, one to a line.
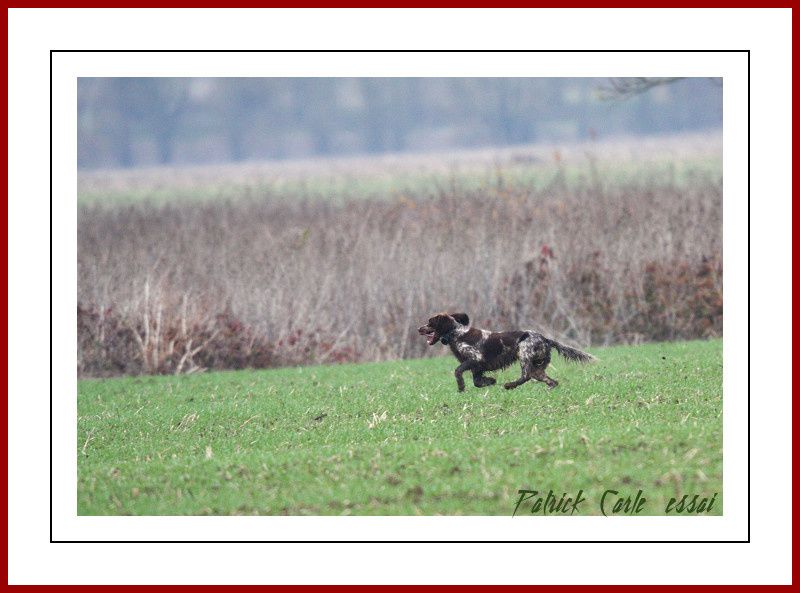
(480,381)
(464,366)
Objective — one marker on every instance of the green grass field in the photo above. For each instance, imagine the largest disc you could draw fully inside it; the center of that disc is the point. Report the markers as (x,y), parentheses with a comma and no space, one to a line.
(396,438)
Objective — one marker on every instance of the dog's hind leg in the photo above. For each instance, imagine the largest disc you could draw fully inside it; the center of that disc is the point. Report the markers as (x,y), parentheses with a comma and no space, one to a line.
(517,383)
(525,367)
(540,375)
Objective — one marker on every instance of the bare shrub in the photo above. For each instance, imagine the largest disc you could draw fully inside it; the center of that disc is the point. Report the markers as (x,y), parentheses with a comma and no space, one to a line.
(267,282)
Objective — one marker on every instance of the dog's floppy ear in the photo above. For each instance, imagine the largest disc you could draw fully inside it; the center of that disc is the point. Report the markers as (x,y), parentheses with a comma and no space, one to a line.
(462,318)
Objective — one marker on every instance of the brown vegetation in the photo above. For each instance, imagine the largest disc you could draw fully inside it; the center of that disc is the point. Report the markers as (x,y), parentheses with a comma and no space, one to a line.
(264,282)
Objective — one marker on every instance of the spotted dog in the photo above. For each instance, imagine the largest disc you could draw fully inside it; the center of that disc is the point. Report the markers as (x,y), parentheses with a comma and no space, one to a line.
(482,351)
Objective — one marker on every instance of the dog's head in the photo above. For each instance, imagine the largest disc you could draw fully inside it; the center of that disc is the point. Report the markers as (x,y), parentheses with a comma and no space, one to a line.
(441,325)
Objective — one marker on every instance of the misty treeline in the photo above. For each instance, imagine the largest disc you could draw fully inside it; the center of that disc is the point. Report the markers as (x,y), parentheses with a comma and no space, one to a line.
(260,282)
(130,122)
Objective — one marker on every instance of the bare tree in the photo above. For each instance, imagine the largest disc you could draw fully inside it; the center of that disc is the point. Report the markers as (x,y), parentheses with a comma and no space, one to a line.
(624,88)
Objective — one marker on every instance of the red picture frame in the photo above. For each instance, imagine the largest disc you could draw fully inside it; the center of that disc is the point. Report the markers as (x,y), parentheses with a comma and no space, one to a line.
(10,5)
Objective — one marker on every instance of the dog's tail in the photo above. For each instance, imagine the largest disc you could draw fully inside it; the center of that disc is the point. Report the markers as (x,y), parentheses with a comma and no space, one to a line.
(570,353)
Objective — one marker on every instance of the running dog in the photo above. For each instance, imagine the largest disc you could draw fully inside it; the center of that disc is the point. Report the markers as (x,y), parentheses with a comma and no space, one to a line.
(482,351)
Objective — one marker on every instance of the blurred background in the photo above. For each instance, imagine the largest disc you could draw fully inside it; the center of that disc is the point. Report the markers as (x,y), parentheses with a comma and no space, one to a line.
(248,222)
(135,122)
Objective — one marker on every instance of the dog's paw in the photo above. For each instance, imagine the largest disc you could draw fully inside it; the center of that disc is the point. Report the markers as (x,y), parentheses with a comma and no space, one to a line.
(509,386)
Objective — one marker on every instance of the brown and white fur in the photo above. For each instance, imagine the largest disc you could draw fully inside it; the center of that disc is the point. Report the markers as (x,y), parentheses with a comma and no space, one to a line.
(482,351)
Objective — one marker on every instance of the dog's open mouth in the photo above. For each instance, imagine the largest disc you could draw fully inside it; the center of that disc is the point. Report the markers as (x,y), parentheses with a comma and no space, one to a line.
(430,336)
